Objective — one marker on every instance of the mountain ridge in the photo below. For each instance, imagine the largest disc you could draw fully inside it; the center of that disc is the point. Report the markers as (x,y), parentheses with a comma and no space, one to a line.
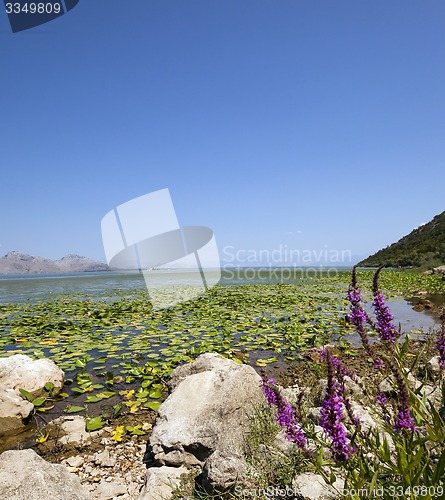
(423,248)
(15,262)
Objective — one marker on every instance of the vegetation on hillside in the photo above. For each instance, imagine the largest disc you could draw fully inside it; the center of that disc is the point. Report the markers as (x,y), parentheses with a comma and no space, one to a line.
(422,248)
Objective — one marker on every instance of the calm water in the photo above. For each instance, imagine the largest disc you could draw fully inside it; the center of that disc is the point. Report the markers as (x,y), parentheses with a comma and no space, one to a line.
(35,288)
(22,288)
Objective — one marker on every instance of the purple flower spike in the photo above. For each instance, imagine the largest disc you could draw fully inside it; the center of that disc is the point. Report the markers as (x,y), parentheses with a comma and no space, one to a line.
(266,385)
(404,421)
(359,318)
(386,330)
(331,417)
(285,413)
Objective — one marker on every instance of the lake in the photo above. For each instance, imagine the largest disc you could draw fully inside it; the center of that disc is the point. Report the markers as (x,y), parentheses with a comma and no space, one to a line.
(101,329)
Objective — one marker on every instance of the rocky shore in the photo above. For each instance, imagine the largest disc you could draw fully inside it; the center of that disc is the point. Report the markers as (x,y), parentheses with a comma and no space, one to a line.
(198,436)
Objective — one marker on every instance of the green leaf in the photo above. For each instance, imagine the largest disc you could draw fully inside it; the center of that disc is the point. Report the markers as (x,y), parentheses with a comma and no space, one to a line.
(38,401)
(95,423)
(74,409)
(27,395)
(155,394)
(153,405)
(93,399)
(49,386)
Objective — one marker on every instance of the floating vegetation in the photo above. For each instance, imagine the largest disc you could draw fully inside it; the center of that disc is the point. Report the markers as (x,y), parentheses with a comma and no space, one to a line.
(103,344)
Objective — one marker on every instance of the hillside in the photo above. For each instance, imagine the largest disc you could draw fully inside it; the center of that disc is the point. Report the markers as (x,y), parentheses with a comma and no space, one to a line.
(422,248)
(20,263)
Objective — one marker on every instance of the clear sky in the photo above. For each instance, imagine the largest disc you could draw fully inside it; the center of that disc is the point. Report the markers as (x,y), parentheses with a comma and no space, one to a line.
(310,124)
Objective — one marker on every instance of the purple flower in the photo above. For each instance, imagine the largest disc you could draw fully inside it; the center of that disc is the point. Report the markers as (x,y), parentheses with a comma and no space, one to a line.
(359,318)
(404,421)
(381,399)
(331,416)
(386,330)
(266,385)
(285,413)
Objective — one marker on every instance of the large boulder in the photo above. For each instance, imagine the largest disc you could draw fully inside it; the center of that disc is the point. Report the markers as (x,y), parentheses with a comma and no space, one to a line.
(14,411)
(208,411)
(22,372)
(23,474)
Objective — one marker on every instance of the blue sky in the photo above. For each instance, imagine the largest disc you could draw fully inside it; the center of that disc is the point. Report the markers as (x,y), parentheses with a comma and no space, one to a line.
(306,123)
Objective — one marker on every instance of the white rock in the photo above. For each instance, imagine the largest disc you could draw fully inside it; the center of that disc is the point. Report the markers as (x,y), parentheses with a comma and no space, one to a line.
(222,470)
(160,482)
(25,475)
(14,411)
(283,444)
(313,487)
(366,421)
(22,372)
(107,490)
(433,366)
(105,459)
(71,430)
(207,410)
(75,461)
(389,384)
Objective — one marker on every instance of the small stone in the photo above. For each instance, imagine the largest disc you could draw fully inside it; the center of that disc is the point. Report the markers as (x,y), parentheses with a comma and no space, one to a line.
(105,459)
(160,482)
(389,384)
(107,491)
(433,366)
(283,444)
(75,461)
(72,430)
(313,487)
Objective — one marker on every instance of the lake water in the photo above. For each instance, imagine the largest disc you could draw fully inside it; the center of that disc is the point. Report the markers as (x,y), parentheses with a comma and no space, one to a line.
(98,285)
(103,285)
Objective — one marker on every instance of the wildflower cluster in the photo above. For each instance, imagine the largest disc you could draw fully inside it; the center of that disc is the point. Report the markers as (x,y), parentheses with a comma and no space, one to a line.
(386,330)
(331,413)
(285,413)
(388,335)
(393,449)
(359,318)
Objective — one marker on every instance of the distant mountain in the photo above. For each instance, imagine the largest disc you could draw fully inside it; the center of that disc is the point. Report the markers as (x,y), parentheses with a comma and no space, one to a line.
(422,248)
(20,263)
